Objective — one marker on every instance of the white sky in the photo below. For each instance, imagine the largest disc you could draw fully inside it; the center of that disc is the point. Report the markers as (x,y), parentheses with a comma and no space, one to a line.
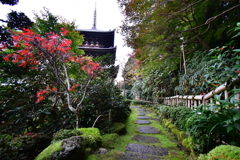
(82,12)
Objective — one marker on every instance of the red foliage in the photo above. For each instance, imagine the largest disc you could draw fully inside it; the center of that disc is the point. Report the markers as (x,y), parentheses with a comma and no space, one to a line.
(54,48)
(3,45)
(91,68)
(73,87)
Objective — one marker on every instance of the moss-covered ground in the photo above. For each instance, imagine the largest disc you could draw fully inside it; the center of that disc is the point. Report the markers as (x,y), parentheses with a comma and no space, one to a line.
(47,153)
(166,140)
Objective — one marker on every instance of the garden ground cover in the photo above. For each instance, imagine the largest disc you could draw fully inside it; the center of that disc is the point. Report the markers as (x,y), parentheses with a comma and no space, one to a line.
(146,139)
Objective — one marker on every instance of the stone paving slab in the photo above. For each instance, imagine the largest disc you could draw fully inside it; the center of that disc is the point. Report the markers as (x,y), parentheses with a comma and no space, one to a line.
(137,156)
(143,122)
(148,129)
(146,139)
(144,149)
(144,117)
(141,114)
(141,110)
(135,106)
(149,111)
(156,119)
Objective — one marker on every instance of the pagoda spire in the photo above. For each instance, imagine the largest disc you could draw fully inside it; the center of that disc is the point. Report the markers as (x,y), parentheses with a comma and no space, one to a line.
(95,17)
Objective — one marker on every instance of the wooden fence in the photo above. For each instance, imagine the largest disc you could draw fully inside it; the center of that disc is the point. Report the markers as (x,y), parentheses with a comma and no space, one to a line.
(195,100)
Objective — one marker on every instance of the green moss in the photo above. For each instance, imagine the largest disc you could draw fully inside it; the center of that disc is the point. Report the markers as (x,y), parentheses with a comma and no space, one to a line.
(119,128)
(46,154)
(187,143)
(88,151)
(181,135)
(109,139)
(202,157)
(166,122)
(65,133)
(91,135)
(224,152)
(175,131)
(171,126)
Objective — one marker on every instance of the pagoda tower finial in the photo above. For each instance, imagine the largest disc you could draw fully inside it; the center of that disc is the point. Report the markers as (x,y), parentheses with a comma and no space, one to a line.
(95,17)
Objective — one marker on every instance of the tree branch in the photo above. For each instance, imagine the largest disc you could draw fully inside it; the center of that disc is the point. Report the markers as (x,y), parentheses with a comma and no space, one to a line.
(211,19)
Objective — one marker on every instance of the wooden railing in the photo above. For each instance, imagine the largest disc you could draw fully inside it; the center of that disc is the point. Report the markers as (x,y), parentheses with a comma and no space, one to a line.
(195,100)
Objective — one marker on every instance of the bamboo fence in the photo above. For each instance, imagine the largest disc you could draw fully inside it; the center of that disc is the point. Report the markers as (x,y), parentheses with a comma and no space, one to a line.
(192,101)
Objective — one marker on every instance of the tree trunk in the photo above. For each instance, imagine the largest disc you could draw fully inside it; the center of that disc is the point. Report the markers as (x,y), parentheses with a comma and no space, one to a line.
(77,120)
(184,60)
(203,42)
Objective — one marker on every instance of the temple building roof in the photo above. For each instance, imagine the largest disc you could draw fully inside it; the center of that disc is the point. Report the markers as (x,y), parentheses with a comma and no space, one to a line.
(98,42)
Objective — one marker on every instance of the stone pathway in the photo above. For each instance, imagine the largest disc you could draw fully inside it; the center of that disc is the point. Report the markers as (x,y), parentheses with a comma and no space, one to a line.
(146,139)
(147,150)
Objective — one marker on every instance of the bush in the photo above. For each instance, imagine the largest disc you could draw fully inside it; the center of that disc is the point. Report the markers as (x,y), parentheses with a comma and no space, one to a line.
(65,133)
(175,131)
(187,144)
(139,102)
(8,149)
(166,122)
(22,147)
(223,152)
(209,128)
(181,135)
(104,98)
(176,114)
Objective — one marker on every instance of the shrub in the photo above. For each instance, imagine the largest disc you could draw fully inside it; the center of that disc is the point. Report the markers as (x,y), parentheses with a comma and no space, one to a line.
(223,152)
(104,98)
(187,144)
(23,147)
(175,131)
(8,149)
(176,114)
(139,102)
(166,122)
(209,128)
(171,126)
(181,135)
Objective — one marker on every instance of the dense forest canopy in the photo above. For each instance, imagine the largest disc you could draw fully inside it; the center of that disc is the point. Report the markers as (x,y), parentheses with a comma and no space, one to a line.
(167,34)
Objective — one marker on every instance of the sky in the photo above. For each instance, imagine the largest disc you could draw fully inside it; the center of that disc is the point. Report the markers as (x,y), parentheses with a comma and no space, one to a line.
(109,17)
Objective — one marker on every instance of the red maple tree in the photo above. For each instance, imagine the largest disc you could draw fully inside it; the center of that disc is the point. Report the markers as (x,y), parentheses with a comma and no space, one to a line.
(54,53)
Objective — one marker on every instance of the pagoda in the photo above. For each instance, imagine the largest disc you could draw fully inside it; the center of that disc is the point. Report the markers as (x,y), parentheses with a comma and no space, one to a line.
(97,42)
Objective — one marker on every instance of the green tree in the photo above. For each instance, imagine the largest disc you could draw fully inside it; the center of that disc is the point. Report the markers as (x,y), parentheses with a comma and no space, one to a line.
(172,31)
(9,2)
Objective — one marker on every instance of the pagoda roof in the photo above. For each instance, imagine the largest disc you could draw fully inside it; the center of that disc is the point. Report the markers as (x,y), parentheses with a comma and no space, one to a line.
(95,30)
(97,48)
